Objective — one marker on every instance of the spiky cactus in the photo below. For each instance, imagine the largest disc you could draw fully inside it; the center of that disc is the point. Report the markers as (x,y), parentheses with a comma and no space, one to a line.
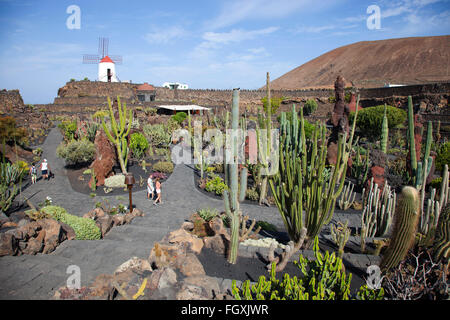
(265,143)
(411,141)
(232,198)
(441,245)
(304,195)
(119,131)
(405,225)
(340,234)
(384,132)
(347,197)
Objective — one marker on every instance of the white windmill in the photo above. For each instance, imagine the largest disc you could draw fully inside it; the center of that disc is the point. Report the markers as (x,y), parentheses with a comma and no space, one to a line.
(106,63)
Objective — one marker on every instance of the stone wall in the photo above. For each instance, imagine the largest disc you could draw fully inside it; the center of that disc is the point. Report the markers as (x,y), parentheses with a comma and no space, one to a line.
(10,100)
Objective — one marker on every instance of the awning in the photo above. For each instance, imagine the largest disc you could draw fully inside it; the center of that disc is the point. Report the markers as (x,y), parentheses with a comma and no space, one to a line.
(191,107)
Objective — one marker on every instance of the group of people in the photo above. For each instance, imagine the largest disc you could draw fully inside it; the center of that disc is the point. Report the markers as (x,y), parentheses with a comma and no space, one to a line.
(154,189)
(45,171)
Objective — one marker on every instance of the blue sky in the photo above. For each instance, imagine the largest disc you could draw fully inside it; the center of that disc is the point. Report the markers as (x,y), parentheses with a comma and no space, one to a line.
(206,44)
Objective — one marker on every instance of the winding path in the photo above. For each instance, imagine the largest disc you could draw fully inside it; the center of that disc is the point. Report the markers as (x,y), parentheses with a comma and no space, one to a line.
(37,277)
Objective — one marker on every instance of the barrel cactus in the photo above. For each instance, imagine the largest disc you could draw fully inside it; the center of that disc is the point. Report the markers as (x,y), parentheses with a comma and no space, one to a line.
(405,225)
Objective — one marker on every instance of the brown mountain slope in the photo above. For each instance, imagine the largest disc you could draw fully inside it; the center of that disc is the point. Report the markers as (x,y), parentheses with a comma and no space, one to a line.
(374,63)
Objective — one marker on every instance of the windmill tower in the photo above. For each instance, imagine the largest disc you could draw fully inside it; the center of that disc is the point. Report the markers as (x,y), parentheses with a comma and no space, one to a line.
(106,63)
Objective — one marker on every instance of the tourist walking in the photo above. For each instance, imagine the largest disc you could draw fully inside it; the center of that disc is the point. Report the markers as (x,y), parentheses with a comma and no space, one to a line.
(45,169)
(33,174)
(150,188)
(158,192)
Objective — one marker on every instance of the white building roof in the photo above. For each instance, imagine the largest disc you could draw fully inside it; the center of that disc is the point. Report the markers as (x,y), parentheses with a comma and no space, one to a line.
(183,107)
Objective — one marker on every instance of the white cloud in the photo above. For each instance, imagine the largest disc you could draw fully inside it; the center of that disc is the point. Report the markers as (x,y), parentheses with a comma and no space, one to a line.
(165,35)
(236,35)
(236,11)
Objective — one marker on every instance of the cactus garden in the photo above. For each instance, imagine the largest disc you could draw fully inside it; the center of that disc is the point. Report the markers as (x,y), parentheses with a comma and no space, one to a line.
(264,150)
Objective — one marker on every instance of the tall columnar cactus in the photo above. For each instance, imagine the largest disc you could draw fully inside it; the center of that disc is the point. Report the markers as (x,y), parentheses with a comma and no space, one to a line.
(411,141)
(384,132)
(232,198)
(119,131)
(304,195)
(265,143)
(347,197)
(405,225)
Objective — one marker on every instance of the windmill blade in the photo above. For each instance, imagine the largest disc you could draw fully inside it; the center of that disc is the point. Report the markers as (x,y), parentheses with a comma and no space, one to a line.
(91,59)
(103,44)
(116,59)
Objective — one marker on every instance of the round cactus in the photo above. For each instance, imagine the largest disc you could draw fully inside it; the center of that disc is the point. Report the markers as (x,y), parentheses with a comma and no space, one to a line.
(405,226)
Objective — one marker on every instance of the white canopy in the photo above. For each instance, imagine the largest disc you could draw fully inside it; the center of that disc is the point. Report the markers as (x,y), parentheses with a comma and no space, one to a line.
(190,107)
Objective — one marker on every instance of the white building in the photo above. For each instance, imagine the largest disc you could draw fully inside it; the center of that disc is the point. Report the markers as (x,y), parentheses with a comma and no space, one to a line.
(107,70)
(175,85)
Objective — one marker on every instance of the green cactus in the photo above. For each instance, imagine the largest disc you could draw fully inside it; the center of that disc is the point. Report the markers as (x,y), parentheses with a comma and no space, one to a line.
(232,198)
(347,197)
(322,279)
(340,234)
(305,197)
(441,245)
(384,132)
(411,141)
(405,225)
(265,144)
(119,131)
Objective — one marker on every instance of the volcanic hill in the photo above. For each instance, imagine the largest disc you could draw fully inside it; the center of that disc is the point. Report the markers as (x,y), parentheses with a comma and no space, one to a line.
(369,64)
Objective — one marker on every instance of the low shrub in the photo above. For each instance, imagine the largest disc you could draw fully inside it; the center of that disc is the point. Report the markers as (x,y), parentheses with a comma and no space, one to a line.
(252,194)
(216,185)
(10,133)
(208,214)
(69,129)
(310,107)
(85,228)
(158,134)
(116,181)
(443,156)
(163,166)
(76,152)
(138,145)
(179,117)
(370,120)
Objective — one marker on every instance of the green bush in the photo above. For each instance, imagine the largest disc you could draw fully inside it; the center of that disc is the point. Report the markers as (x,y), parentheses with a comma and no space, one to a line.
(208,214)
(158,134)
(274,102)
(252,194)
(138,145)
(69,128)
(10,133)
(179,117)
(85,228)
(310,107)
(76,152)
(370,120)
(163,166)
(443,156)
(216,185)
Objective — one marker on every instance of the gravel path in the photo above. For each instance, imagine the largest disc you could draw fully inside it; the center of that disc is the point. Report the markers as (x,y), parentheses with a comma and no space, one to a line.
(37,277)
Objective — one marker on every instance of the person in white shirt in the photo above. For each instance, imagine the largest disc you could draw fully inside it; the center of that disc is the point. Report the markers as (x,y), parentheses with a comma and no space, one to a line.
(150,188)
(45,168)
